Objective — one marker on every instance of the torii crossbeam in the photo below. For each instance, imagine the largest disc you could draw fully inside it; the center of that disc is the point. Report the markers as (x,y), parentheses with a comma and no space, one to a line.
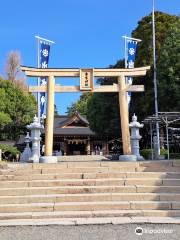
(86,76)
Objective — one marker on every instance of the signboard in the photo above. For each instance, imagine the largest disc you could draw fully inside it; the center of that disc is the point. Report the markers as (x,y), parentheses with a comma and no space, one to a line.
(86,79)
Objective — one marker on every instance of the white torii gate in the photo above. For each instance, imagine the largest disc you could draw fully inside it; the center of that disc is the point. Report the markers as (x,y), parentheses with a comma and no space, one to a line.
(86,76)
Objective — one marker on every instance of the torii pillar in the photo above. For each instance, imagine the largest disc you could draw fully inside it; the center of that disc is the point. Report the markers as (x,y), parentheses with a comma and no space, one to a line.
(50,116)
(124,115)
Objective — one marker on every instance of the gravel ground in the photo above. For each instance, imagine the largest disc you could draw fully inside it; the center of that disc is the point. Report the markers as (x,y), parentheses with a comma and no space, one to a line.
(92,232)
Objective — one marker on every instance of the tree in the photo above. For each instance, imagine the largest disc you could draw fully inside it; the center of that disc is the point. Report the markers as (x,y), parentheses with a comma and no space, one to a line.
(12,65)
(13,72)
(169,71)
(103,108)
(16,110)
(80,105)
(143,103)
(4,120)
(103,113)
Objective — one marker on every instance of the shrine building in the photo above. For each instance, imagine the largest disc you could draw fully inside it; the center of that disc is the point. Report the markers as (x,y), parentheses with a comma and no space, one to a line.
(73,136)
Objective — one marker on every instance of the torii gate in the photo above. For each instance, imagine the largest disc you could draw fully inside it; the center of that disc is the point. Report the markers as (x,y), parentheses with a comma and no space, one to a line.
(86,76)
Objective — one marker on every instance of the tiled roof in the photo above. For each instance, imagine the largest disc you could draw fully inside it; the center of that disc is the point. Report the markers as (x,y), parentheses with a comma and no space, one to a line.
(61,121)
(74,131)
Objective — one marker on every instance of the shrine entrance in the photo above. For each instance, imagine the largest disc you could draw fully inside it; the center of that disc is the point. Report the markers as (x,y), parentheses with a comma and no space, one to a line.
(76,148)
(86,77)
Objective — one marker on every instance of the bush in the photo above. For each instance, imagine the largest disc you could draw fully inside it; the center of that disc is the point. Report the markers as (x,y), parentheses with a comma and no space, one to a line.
(147,153)
(175,155)
(164,152)
(8,152)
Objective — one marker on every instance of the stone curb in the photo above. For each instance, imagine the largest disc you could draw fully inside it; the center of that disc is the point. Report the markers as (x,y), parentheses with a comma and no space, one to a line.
(90,221)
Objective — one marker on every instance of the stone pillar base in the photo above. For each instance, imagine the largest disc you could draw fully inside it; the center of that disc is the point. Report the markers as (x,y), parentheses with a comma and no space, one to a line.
(48,159)
(128,158)
(140,158)
(33,160)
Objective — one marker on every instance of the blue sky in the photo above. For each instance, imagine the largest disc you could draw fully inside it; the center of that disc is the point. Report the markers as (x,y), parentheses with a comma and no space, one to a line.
(87,32)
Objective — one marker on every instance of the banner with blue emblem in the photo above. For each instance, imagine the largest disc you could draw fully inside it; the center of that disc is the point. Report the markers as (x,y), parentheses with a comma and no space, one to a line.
(130,57)
(131,46)
(44,59)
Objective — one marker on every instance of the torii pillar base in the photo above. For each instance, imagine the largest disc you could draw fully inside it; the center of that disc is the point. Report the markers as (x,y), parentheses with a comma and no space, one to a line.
(48,159)
(128,158)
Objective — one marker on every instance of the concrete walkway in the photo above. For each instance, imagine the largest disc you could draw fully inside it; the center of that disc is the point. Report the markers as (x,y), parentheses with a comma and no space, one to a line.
(92,232)
(91,221)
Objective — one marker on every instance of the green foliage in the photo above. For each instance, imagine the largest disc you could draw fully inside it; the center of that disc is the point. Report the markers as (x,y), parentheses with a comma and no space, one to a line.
(4,120)
(103,113)
(80,105)
(16,110)
(169,71)
(102,109)
(175,156)
(164,152)
(9,149)
(147,153)
(163,22)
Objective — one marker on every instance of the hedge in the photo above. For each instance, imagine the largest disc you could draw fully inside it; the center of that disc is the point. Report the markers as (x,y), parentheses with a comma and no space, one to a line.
(9,149)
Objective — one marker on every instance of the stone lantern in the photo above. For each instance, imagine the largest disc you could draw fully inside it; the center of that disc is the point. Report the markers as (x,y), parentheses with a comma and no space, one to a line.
(135,137)
(35,129)
(26,155)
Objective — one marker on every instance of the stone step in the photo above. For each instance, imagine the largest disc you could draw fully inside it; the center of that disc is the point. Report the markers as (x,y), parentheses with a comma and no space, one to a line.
(90,167)
(160,169)
(30,177)
(160,175)
(90,206)
(90,214)
(157,189)
(67,182)
(88,189)
(81,158)
(91,182)
(41,177)
(85,170)
(62,182)
(64,190)
(67,170)
(55,198)
(107,169)
(103,163)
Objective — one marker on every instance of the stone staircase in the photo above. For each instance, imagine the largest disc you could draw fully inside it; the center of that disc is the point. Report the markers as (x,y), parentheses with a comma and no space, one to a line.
(93,189)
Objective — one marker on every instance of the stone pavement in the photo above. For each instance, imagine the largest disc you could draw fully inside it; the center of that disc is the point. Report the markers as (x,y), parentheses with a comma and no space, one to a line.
(92,232)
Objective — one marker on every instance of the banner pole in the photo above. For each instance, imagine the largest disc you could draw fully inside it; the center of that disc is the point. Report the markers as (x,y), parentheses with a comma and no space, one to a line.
(38,64)
(44,39)
(125,51)
(133,39)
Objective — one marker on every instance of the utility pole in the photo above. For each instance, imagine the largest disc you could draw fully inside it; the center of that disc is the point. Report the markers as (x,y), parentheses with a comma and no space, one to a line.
(155,78)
